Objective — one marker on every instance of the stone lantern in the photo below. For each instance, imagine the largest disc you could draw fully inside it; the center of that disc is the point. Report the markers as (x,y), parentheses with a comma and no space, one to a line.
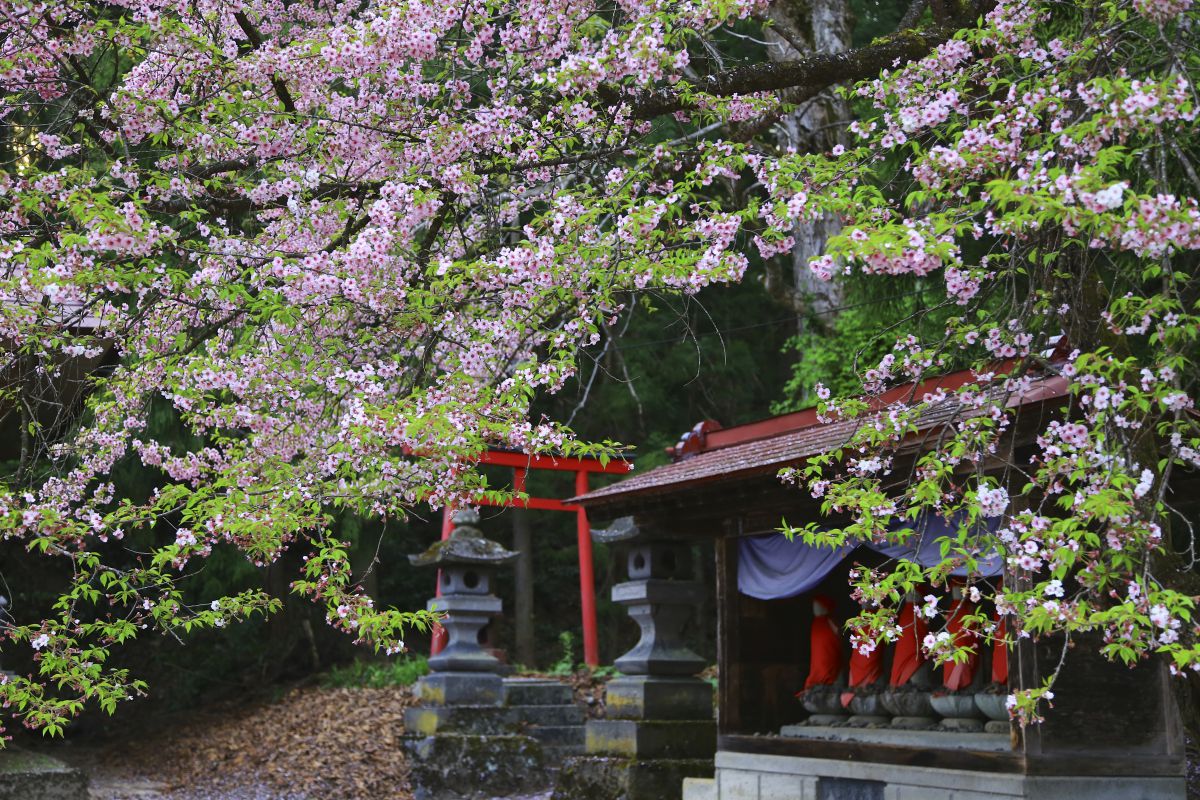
(659,727)
(463,673)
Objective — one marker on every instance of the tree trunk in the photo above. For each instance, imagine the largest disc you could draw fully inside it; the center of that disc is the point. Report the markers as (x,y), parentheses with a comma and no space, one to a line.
(820,27)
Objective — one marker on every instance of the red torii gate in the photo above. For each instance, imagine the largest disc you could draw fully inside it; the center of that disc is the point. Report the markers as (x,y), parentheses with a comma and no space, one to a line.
(521,463)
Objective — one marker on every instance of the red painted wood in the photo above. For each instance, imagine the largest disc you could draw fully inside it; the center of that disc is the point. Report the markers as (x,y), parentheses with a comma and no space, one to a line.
(536,503)
(438,636)
(504,458)
(587,578)
(786,423)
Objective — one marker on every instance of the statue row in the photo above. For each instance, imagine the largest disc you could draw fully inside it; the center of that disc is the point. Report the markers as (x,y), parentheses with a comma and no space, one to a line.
(896,685)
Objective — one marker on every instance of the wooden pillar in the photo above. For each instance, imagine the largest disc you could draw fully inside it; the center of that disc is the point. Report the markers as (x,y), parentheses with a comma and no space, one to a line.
(438,636)
(523,603)
(587,578)
(729,675)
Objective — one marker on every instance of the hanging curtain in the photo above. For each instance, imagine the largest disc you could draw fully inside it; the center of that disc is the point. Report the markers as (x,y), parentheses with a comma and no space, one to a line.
(772,568)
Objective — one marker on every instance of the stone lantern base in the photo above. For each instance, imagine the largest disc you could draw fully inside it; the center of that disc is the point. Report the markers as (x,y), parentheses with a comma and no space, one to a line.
(615,778)
(477,736)
(659,731)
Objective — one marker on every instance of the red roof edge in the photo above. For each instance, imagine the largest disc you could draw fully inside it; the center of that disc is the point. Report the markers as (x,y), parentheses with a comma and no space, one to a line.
(796,420)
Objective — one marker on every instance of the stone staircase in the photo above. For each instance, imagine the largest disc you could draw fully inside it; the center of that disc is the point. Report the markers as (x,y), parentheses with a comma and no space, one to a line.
(546,709)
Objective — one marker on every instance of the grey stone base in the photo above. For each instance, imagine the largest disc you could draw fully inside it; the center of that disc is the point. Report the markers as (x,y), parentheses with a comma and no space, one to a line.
(488,720)
(455,767)
(599,778)
(961,724)
(646,697)
(926,740)
(745,776)
(652,739)
(868,721)
(914,723)
(460,689)
(821,720)
(32,776)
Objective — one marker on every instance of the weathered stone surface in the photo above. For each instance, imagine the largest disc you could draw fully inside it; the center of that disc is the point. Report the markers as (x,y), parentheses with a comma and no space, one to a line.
(483,720)
(660,607)
(659,560)
(647,739)
(591,778)
(474,720)
(32,776)
(536,692)
(450,767)
(931,740)
(699,789)
(467,614)
(746,776)
(651,697)
(559,741)
(460,688)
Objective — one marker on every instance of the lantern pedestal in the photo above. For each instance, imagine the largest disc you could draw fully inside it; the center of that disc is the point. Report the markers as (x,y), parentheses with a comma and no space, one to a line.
(660,726)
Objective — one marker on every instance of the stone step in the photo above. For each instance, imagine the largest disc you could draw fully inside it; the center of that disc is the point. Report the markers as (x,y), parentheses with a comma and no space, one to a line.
(699,789)
(560,736)
(548,715)
(555,756)
(536,692)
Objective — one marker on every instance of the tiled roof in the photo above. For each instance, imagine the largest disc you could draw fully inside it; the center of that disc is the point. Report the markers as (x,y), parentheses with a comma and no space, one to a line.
(772,452)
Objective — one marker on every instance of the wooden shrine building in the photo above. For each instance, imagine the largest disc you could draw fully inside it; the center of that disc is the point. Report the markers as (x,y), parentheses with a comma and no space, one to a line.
(1113,733)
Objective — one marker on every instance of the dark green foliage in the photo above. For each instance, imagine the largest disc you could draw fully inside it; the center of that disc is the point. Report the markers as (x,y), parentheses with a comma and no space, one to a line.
(403,671)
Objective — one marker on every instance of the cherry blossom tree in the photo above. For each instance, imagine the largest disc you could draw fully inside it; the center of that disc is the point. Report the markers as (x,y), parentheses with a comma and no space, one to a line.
(345,244)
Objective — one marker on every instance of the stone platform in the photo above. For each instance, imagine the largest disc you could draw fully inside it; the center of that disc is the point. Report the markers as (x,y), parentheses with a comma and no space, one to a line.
(939,740)
(747,776)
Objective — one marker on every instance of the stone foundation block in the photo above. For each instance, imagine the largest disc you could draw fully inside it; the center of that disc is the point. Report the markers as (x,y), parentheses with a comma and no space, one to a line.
(737,785)
(592,778)
(449,767)
(473,720)
(652,739)
(460,689)
(489,720)
(699,789)
(646,697)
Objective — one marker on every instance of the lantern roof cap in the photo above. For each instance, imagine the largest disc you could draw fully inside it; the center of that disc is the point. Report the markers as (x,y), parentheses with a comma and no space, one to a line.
(465,545)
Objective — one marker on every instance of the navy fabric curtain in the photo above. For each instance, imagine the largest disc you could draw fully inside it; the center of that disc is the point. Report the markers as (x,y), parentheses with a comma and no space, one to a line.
(770,567)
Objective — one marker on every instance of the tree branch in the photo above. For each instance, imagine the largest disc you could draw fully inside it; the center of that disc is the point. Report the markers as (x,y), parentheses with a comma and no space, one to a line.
(281,90)
(815,72)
